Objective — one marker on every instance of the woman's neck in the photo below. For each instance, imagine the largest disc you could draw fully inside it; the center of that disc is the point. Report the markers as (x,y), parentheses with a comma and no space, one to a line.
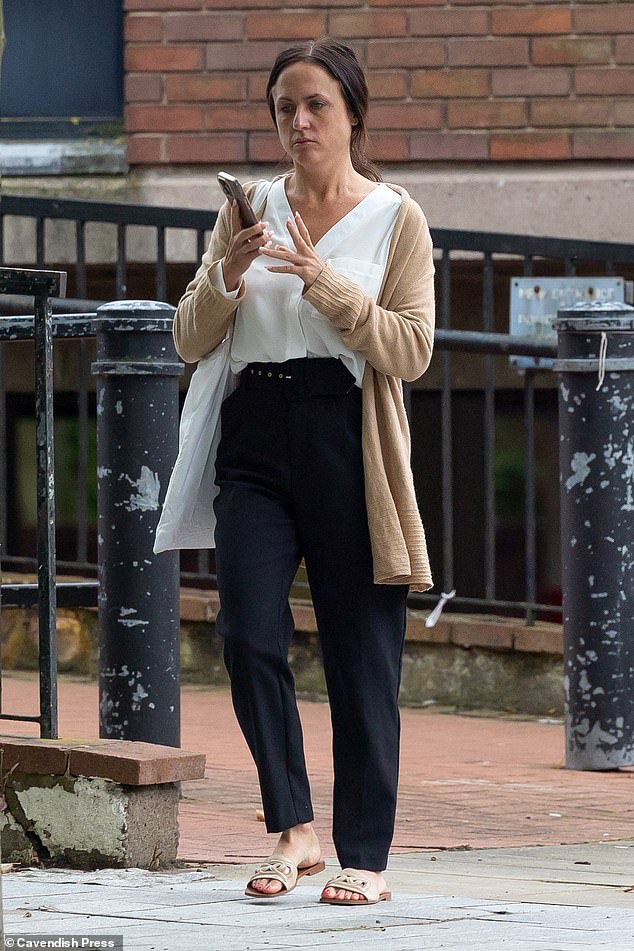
(325,185)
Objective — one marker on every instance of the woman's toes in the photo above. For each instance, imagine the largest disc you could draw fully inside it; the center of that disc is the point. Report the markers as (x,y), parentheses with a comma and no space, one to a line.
(341,894)
(266,885)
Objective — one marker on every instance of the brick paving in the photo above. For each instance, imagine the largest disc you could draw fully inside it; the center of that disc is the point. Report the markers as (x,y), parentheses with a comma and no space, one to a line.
(467,781)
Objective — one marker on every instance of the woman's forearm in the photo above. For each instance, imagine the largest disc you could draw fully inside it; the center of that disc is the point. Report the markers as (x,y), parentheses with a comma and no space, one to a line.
(204,313)
(202,318)
(396,339)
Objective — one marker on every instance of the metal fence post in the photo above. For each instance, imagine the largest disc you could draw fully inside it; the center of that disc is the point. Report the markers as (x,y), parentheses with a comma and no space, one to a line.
(137,440)
(42,285)
(596,433)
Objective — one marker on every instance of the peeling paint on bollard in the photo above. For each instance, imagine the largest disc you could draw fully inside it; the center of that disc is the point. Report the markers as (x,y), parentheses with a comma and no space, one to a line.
(596,420)
(147,496)
(580,465)
(137,441)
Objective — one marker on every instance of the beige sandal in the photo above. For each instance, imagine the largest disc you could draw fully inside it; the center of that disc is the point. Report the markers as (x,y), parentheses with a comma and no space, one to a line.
(280,869)
(350,880)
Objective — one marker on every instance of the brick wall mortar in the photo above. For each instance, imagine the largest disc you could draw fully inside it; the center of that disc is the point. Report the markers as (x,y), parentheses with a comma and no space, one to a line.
(457,80)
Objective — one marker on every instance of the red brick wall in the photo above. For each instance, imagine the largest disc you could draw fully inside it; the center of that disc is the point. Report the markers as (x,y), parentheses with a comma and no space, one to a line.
(463,80)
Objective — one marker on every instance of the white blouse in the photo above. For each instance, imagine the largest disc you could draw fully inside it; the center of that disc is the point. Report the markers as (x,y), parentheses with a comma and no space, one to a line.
(274,323)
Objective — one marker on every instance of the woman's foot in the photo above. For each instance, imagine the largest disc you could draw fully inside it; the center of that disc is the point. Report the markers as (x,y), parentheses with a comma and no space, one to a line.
(374,879)
(299,845)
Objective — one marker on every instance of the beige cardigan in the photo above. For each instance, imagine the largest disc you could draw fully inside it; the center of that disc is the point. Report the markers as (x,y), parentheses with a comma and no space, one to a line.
(394,334)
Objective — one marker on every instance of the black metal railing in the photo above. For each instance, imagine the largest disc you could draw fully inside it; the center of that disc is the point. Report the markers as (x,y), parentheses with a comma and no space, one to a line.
(467,323)
(490,344)
(530,251)
(41,285)
(121,217)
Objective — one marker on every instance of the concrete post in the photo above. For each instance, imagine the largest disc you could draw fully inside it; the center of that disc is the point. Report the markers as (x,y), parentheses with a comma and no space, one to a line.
(596,433)
(137,441)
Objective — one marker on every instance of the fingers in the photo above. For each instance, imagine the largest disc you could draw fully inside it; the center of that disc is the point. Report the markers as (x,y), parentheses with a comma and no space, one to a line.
(245,244)
(298,238)
(238,232)
(246,235)
(255,231)
(251,241)
(279,251)
(236,225)
(282,250)
(299,234)
(292,260)
(303,230)
(301,261)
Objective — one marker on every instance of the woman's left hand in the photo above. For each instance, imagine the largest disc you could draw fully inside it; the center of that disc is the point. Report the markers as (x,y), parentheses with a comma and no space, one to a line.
(303,260)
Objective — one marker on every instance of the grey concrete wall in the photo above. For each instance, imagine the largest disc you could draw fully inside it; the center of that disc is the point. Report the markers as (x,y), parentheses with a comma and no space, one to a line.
(573,200)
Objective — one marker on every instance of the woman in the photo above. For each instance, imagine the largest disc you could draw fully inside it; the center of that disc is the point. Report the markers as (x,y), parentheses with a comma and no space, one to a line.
(331,303)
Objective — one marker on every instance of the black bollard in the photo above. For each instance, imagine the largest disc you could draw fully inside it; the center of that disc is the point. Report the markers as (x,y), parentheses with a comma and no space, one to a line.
(137,373)
(596,433)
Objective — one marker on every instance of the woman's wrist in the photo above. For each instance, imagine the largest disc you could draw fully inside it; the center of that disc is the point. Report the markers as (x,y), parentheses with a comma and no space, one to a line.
(313,277)
(232,280)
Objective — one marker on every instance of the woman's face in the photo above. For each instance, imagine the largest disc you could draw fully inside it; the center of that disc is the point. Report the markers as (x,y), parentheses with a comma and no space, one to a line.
(312,117)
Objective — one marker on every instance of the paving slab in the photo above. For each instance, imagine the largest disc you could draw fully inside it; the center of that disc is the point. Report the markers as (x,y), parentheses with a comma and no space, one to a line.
(187,909)
(591,874)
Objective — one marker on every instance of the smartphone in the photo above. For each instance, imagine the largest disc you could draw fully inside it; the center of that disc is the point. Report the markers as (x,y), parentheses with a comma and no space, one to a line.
(233,189)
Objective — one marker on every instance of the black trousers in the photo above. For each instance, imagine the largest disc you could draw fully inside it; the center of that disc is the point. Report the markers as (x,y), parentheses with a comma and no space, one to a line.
(290,473)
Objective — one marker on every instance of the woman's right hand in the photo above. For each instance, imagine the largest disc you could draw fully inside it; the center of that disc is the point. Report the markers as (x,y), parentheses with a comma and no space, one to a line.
(244,246)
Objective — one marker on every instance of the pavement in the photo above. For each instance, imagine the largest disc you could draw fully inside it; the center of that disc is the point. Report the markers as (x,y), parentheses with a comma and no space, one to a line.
(497,844)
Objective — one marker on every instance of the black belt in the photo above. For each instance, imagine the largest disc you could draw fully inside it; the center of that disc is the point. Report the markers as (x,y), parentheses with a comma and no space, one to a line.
(301,378)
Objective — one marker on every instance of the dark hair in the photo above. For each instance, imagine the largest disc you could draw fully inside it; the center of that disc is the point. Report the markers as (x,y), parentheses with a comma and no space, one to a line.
(342,64)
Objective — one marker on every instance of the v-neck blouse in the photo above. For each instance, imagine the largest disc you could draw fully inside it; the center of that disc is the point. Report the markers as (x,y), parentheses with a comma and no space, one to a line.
(274,322)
